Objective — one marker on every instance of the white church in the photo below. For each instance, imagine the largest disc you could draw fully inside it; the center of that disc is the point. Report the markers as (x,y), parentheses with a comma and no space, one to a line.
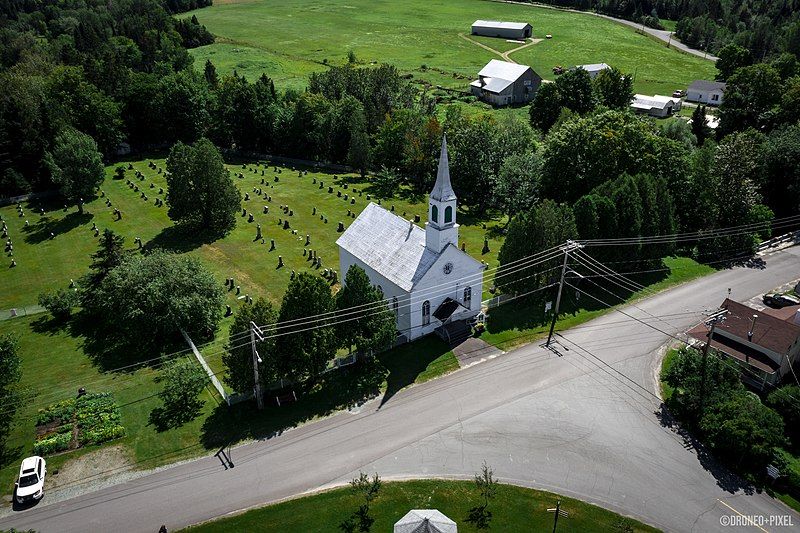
(429,281)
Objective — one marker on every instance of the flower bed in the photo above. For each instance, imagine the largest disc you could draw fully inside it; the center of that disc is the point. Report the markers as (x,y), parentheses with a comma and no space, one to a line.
(70,424)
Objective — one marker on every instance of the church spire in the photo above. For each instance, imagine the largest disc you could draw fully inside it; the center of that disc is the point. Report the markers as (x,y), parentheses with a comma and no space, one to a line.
(442,189)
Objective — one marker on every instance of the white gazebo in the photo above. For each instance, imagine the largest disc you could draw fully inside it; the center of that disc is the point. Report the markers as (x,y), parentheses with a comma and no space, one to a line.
(425,521)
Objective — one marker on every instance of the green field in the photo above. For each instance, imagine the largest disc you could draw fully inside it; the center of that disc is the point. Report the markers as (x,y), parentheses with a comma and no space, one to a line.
(289,39)
(513,509)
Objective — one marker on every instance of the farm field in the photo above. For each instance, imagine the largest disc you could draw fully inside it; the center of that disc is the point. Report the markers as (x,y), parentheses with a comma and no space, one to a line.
(287,40)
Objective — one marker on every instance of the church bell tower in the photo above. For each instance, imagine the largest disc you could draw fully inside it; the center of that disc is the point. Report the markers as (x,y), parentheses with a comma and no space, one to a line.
(441,228)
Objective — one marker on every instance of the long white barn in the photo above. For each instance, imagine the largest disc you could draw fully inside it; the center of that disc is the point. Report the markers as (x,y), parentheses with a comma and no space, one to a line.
(427,279)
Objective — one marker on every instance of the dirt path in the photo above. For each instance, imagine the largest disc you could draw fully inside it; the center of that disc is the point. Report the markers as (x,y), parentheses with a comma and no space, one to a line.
(492,50)
(505,55)
(517,49)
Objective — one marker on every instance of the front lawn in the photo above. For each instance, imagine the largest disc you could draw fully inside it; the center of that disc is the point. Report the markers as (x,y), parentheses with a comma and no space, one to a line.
(514,509)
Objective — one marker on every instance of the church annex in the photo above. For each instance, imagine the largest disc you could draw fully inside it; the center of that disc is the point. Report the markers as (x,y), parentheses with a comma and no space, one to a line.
(427,280)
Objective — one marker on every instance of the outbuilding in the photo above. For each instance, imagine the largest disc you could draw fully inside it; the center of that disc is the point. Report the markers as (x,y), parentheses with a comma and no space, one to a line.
(594,69)
(503,83)
(656,106)
(706,92)
(506,30)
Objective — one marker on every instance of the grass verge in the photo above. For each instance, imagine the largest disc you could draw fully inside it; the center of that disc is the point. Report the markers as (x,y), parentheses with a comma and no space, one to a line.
(513,509)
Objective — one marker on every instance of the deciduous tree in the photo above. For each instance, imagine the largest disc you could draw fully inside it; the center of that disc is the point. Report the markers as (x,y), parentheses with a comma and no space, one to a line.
(304,354)
(238,356)
(365,319)
(75,166)
(200,190)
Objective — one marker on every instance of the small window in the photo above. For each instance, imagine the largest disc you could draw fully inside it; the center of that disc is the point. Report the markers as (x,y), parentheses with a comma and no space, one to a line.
(714,97)
(395,304)
(468,297)
(434,213)
(426,313)
(448,214)
(380,289)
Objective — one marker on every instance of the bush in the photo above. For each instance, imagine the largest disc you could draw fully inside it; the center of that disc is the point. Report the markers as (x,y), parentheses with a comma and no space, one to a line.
(56,443)
(59,303)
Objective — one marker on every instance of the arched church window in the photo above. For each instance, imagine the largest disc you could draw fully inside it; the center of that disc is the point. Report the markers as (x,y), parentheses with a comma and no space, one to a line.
(468,297)
(448,214)
(434,213)
(426,313)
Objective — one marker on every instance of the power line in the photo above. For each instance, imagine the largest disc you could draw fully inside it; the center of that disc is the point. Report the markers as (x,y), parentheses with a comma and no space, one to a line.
(696,235)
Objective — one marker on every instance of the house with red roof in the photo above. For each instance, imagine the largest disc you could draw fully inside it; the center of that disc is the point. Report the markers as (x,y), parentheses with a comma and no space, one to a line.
(764,343)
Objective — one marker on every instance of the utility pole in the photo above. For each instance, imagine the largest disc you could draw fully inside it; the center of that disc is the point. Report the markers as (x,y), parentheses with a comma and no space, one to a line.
(255,331)
(557,512)
(717,317)
(567,248)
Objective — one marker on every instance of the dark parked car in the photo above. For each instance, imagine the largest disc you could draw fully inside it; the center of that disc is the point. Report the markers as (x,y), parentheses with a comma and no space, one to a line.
(780,300)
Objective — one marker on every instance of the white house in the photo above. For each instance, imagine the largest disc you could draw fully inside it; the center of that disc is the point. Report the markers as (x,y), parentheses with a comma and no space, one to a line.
(706,92)
(594,69)
(427,279)
(656,106)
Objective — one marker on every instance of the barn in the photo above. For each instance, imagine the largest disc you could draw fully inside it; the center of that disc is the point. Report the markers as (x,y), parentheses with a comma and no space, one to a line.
(503,83)
(507,30)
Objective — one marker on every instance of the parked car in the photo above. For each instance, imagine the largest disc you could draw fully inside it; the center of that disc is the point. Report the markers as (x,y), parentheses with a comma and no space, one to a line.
(679,93)
(30,485)
(780,300)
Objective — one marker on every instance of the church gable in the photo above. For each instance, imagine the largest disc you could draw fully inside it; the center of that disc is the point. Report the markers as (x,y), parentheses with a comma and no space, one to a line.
(452,265)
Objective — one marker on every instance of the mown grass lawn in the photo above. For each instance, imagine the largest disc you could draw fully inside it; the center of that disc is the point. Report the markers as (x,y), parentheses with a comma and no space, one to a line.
(287,40)
(514,509)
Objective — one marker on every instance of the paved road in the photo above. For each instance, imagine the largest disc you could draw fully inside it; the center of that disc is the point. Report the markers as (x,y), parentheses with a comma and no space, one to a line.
(586,423)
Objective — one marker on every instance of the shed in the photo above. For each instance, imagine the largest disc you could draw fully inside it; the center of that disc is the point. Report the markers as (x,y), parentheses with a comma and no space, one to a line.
(594,68)
(507,30)
(656,106)
(425,521)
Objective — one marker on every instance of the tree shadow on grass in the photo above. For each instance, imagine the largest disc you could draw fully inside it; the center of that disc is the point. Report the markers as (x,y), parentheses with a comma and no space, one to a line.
(337,390)
(41,230)
(180,238)
(407,362)
(168,417)
(110,352)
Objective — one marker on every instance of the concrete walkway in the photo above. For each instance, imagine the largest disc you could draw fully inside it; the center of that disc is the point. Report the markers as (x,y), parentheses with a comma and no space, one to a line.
(473,351)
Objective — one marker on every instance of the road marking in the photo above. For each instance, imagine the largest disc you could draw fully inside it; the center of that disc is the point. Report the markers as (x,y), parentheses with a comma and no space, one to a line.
(744,516)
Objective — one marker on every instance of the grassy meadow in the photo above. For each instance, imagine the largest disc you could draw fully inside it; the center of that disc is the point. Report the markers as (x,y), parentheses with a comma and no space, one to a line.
(288,40)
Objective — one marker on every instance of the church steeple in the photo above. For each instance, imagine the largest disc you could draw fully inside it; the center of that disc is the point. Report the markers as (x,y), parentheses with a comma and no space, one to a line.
(442,189)
(441,228)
